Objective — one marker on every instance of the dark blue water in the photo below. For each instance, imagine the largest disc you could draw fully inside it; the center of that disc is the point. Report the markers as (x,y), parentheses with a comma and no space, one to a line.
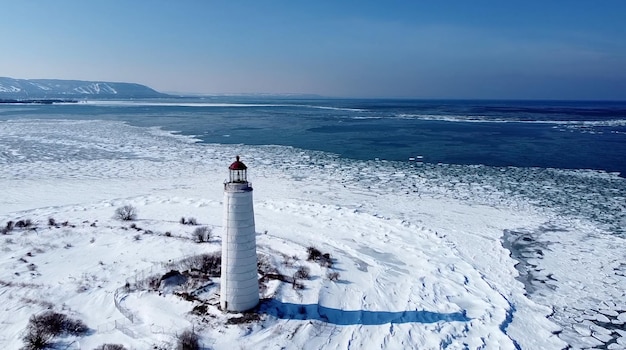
(547,134)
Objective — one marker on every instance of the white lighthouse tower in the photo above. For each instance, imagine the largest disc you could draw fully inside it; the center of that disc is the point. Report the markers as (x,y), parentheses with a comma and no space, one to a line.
(239,290)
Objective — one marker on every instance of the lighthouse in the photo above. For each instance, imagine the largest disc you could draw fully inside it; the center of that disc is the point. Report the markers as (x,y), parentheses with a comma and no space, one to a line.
(239,289)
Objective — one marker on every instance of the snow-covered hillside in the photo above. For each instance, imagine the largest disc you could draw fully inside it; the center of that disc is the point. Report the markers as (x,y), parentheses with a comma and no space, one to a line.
(53,88)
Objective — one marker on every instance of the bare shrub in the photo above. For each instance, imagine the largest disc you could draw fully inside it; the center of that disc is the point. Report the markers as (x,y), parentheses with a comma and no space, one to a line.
(333,276)
(303,272)
(188,340)
(26,223)
(202,234)
(110,347)
(49,322)
(209,264)
(153,282)
(248,317)
(326,260)
(264,265)
(75,327)
(45,304)
(200,310)
(314,254)
(297,285)
(55,323)
(126,213)
(36,340)
(188,221)
(323,259)
(137,237)
(44,327)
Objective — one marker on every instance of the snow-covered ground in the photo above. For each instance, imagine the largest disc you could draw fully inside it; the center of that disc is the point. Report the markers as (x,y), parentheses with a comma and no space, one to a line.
(428,256)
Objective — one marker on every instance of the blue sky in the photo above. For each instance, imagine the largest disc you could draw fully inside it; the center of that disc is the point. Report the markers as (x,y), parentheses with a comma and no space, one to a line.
(417,49)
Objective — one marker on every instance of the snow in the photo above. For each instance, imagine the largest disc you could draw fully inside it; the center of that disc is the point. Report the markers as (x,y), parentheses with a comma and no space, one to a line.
(419,250)
(9,89)
(40,86)
(95,89)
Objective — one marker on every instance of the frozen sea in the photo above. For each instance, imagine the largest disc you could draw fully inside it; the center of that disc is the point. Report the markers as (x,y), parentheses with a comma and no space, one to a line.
(568,135)
(560,161)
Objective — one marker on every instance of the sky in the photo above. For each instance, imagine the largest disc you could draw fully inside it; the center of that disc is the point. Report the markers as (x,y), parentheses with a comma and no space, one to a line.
(372,49)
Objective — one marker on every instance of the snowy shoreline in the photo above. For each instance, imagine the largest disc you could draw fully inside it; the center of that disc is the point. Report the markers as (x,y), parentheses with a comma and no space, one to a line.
(420,239)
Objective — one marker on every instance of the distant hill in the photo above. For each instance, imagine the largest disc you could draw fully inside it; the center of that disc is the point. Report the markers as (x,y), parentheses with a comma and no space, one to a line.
(72,89)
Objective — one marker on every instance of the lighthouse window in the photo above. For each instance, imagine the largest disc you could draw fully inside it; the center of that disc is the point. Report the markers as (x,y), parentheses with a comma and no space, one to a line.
(238,176)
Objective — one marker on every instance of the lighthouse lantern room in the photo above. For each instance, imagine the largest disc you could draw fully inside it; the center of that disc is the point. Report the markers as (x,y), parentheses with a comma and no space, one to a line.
(238,172)
(239,290)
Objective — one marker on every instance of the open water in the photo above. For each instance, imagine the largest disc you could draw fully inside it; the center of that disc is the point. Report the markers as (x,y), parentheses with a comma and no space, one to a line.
(568,135)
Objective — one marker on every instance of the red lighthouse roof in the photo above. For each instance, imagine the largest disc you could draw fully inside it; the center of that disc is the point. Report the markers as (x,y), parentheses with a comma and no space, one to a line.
(237,165)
